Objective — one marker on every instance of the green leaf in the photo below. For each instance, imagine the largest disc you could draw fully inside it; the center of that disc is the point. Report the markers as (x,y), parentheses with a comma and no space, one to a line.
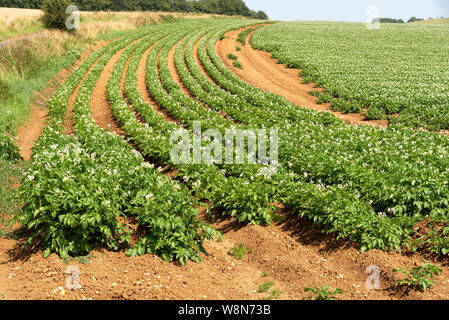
(47,253)
(141,251)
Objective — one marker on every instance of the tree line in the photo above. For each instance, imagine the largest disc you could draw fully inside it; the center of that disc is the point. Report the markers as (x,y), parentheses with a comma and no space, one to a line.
(391,20)
(228,7)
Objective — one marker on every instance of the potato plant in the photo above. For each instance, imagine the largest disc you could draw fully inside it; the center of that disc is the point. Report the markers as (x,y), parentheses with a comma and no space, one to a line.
(420,278)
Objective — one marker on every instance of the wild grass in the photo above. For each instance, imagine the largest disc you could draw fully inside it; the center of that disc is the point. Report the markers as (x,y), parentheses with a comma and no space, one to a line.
(10,177)
(26,66)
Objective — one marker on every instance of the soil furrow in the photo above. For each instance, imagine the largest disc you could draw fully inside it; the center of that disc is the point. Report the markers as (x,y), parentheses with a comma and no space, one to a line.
(199,63)
(143,89)
(12,286)
(174,71)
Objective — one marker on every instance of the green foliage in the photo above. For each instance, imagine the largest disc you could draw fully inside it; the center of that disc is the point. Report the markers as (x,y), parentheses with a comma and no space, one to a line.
(241,38)
(436,240)
(390,20)
(11,173)
(8,151)
(323,293)
(55,15)
(260,15)
(173,236)
(420,278)
(71,206)
(80,259)
(264,287)
(376,203)
(345,106)
(323,97)
(374,114)
(232,196)
(237,64)
(239,251)
(26,68)
(5,90)
(237,48)
(414,19)
(115,183)
(231,56)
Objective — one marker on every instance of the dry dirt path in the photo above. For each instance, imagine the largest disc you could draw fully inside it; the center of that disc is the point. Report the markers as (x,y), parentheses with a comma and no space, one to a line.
(29,36)
(30,131)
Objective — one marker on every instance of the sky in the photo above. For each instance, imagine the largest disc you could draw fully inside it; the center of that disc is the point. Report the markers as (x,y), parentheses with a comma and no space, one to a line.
(350,10)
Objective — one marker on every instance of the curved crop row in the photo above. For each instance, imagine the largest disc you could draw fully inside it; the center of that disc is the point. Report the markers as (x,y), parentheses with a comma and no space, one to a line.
(96,180)
(401,173)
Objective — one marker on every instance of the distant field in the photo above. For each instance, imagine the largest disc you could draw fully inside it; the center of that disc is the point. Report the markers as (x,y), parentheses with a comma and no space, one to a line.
(396,69)
(14,13)
(433,21)
(15,22)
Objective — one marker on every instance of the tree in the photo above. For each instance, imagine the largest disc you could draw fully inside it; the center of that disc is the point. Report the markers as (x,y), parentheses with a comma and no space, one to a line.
(229,7)
(390,20)
(414,19)
(55,16)
(262,15)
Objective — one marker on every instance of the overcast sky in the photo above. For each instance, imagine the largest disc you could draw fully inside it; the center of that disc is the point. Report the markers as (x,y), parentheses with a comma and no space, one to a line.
(349,10)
